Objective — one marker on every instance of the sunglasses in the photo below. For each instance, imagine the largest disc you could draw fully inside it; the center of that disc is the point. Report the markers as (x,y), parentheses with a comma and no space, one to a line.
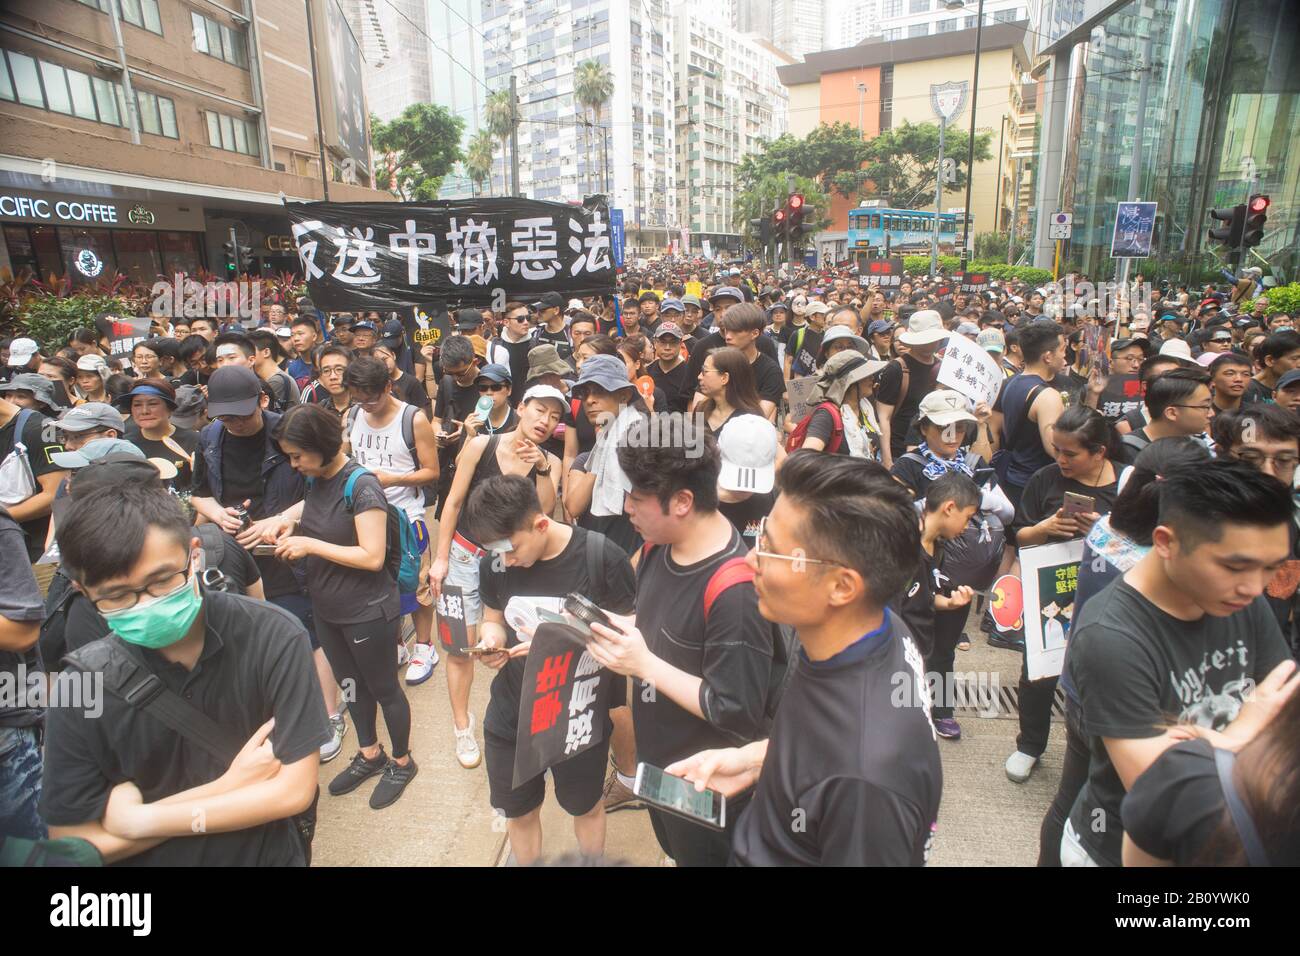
(492,387)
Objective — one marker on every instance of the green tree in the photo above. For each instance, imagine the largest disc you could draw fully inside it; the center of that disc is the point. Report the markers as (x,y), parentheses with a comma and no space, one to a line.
(419,147)
(757,201)
(593,84)
(478,159)
(902,163)
(828,153)
(501,116)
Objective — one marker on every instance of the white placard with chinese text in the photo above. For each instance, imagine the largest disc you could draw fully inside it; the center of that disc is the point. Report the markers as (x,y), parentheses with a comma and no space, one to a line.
(968,369)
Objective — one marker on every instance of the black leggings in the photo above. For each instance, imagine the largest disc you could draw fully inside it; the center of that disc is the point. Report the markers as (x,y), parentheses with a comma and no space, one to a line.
(364,660)
(948,633)
(1074,774)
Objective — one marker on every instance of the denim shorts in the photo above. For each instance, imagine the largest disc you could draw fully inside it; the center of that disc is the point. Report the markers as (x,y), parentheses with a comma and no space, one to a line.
(20,784)
(462,572)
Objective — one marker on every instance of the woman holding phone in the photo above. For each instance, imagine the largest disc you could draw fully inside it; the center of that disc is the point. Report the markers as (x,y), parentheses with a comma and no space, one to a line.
(1061,501)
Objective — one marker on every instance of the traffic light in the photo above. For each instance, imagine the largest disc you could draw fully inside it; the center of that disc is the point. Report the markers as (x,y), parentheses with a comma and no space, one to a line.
(799,228)
(245,258)
(232,258)
(761,227)
(1256,217)
(1230,235)
(779,222)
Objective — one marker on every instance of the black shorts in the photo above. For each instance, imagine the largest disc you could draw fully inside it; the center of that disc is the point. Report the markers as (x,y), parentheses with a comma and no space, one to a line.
(579,781)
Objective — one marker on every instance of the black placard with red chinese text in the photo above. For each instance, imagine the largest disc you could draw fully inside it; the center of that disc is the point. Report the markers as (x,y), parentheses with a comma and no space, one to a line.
(564,703)
(476,252)
(1122,394)
(452,632)
(972,281)
(885,273)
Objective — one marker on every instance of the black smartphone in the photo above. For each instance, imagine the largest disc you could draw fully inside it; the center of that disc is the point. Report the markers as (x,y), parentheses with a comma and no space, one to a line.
(678,796)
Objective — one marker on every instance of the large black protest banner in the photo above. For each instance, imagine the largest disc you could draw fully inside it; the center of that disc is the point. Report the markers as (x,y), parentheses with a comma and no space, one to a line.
(563,707)
(476,252)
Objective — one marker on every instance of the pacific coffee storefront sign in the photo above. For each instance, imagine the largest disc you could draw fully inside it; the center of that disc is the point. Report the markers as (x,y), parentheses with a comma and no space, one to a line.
(73,210)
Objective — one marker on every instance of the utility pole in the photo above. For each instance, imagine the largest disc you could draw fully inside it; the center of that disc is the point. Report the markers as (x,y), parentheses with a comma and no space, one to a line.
(315,98)
(1135,164)
(1015,212)
(967,238)
(938,203)
(514,138)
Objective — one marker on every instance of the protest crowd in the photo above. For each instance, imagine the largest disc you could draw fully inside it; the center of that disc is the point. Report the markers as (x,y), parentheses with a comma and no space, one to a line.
(699,526)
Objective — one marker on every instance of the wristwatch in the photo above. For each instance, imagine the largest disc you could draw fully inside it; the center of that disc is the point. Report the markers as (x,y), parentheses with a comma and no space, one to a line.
(547,472)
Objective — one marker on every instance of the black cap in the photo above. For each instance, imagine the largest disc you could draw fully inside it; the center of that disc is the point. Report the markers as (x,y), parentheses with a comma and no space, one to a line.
(549,300)
(468,319)
(233,390)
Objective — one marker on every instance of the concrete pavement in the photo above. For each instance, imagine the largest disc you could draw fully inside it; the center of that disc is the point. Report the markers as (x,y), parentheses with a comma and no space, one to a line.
(444,818)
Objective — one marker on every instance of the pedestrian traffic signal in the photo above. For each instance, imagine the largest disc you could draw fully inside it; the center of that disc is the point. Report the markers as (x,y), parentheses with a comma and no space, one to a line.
(761,227)
(1256,218)
(1230,235)
(245,254)
(232,258)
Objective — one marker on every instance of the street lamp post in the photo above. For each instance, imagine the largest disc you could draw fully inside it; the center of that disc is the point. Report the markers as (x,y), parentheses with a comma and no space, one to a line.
(970,148)
(862,92)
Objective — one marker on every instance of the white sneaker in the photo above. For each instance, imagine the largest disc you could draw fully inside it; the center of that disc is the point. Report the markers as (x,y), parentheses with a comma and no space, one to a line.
(423,660)
(403,654)
(339,729)
(1020,766)
(467,751)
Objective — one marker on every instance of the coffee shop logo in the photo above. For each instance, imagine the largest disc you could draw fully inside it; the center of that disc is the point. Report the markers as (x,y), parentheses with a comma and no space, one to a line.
(141,216)
(89,264)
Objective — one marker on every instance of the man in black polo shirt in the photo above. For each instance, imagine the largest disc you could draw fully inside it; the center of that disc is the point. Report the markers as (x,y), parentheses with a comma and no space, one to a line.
(742,328)
(705,674)
(851,773)
(127,782)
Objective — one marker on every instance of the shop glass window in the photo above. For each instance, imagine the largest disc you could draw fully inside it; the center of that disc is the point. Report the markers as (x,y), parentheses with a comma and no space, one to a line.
(73,242)
(27,80)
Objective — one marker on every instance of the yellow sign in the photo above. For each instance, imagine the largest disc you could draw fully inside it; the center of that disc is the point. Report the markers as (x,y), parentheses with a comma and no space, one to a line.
(695,289)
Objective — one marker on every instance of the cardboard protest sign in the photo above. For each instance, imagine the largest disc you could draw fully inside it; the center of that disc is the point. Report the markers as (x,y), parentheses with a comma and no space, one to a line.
(126,332)
(1049,575)
(968,369)
(800,394)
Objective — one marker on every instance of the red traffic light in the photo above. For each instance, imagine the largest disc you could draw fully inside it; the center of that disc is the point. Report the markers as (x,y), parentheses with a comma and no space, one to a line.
(796,201)
(779,215)
(1259,204)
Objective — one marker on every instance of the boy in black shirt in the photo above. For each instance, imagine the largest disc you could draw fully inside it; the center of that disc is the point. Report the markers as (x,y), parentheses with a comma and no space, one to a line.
(950,502)
(851,774)
(1185,635)
(706,672)
(532,555)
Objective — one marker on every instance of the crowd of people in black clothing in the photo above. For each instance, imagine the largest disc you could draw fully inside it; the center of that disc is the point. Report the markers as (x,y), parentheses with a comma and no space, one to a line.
(760,480)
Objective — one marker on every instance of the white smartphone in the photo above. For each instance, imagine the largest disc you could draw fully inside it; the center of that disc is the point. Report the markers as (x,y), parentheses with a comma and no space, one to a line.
(679,796)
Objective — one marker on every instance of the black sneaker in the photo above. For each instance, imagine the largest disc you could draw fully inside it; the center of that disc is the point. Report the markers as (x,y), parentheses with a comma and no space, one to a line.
(357,772)
(1008,642)
(392,783)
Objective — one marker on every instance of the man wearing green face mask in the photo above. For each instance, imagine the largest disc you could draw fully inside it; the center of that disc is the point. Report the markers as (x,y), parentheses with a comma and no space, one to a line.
(245,665)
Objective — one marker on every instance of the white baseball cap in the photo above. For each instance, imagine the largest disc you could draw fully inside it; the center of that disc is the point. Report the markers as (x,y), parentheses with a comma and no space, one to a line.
(748,446)
(924,328)
(1177,348)
(21,352)
(547,391)
(945,407)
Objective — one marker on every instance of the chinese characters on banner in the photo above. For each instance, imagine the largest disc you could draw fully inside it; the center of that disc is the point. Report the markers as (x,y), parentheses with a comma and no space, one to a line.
(451,619)
(564,704)
(1049,575)
(799,393)
(885,273)
(968,369)
(1135,223)
(126,333)
(1122,394)
(972,281)
(389,255)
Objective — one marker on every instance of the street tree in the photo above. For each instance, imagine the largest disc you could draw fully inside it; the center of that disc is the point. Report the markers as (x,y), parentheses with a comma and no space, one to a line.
(593,85)
(902,163)
(418,148)
(478,159)
(502,118)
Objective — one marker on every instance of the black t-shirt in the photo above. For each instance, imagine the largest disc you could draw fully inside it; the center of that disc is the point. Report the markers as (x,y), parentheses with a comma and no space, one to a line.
(284,390)
(340,594)
(39,454)
(453,402)
(559,339)
(805,347)
(255,665)
(862,774)
(1045,494)
(676,385)
(566,572)
(768,378)
(411,390)
(733,654)
(911,472)
(186,438)
(1256,391)
(517,355)
(916,606)
(745,515)
(921,381)
(20,601)
(1177,804)
(1137,669)
(822,425)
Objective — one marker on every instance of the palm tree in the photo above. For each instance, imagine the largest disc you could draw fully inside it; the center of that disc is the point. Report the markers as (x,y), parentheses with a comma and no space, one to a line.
(501,118)
(593,84)
(478,158)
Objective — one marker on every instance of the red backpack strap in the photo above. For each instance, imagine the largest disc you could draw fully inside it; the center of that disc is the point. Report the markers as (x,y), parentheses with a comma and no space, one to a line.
(731,573)
(837,426)
(575,406)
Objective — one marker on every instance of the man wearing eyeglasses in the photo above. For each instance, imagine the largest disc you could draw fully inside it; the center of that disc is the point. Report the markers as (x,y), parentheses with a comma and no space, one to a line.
(1180,406)
(850,775)
(138,790)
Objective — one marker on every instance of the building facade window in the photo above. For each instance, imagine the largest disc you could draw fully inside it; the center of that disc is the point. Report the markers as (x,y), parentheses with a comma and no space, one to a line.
(918,30)
(946,26)
(139,13)
(59,89)
(891,8)
(231,133)
(918,6)
(1005,16)
(220,41)
(894,34)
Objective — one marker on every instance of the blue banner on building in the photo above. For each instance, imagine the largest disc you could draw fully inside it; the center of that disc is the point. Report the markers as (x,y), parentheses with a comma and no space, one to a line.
(616,235)
(1134,224)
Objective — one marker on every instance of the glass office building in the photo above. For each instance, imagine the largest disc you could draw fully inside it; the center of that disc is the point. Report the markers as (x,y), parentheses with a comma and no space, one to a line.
(1221,122)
